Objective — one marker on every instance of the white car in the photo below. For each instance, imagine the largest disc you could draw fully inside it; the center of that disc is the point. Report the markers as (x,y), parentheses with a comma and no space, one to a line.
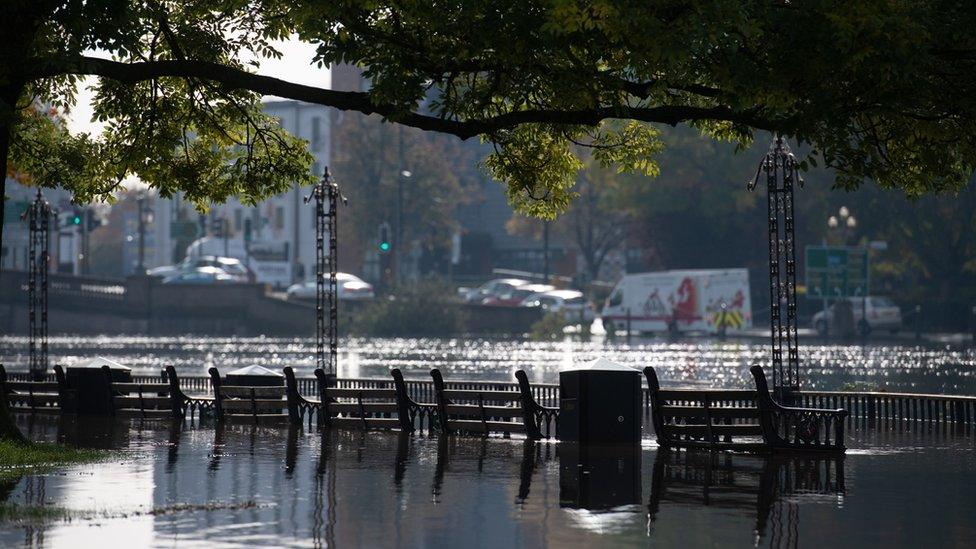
(569,303)
(348,286)
(882,314)
(494,288)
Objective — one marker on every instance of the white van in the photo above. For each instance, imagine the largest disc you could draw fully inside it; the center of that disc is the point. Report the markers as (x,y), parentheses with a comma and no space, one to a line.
(681,301)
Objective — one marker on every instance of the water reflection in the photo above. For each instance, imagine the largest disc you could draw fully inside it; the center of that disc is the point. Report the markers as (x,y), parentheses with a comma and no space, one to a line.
(348,488)
(770,486)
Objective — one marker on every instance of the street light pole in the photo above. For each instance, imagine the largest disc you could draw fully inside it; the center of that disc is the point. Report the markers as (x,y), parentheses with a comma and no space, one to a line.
(140,202)
(545,252)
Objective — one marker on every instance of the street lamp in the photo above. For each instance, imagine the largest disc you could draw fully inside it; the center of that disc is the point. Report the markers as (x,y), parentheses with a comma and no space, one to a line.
(398,239)
(140,204)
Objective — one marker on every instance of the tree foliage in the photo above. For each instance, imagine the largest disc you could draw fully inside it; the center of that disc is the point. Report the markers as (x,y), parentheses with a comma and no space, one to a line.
(878,89)
(369,158)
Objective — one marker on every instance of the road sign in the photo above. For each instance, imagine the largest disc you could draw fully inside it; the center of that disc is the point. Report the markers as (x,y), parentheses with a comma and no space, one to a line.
(835,272)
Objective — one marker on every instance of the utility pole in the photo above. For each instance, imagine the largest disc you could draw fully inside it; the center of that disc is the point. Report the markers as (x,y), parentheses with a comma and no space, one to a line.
(545,252)
(398,236)
(140,203)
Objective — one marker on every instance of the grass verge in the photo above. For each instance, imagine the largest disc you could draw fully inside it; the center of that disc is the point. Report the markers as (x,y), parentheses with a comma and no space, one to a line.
(17,459)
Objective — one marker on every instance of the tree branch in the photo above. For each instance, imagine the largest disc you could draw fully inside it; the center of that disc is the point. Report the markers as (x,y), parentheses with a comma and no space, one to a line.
(236,78)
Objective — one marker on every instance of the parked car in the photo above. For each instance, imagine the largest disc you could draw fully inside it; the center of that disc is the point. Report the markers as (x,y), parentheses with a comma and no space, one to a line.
(882,314)
(515,296)
(569,303)
(348,286)
(202,275)
(494,288)
(230,265)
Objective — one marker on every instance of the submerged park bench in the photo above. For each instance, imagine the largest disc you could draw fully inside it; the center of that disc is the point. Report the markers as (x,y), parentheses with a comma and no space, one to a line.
(35,396)
(258,404)
(483,412)
(740,420)
(354,407)
(144,400)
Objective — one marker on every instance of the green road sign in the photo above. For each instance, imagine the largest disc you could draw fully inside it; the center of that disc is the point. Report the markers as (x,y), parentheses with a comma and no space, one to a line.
(834,272)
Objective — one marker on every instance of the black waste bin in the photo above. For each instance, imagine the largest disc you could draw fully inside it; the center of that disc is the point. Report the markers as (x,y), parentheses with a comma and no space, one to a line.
(600,403)
(87,379)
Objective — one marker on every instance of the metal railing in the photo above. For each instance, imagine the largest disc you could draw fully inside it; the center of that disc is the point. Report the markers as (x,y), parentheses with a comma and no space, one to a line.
(867,406)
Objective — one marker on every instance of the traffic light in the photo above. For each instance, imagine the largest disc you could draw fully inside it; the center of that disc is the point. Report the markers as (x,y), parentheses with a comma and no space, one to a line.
(75,218)
(384,238)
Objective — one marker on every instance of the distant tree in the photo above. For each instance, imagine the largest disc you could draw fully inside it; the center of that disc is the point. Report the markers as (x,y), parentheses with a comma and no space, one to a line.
(368,162)
(596,223)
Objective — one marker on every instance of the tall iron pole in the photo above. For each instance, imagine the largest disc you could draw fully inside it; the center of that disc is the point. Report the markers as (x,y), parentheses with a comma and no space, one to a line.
(781,173)
(327,196)
(39,225)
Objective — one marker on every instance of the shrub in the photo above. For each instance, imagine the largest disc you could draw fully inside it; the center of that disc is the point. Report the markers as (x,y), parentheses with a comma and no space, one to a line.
(426,308)
(548,328)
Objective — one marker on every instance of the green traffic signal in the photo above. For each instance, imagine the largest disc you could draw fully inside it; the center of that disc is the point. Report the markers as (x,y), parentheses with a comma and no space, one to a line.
(76,220)
(384,246)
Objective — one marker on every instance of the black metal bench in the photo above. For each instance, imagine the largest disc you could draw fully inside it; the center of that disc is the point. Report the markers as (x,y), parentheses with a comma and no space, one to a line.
(714,419)
(787,428)
(187,404)
(486,411)
(261,404)
(35,396)
(739,420)
(356,408)
(144,400)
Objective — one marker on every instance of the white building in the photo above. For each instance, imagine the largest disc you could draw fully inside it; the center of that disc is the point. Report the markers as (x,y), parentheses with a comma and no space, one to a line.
(14,253)
(282,249)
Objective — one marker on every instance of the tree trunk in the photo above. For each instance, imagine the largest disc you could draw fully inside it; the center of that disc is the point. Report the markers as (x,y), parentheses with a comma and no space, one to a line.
(8,100)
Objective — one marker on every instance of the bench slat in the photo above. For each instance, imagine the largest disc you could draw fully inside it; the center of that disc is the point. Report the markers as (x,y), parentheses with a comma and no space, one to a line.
(39,409)
(738,430)
(369,407)
(259,403)
(243,391)
(336,392)
(39,398)
(37,386)
(145,387)
(698,395)
(487,396)
(147,401)
(698,411)
(490,411)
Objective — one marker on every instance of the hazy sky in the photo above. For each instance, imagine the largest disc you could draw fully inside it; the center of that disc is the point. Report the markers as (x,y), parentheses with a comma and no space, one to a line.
(294,66)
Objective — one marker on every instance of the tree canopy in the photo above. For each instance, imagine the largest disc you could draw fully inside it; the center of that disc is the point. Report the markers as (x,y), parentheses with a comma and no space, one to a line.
(877,89)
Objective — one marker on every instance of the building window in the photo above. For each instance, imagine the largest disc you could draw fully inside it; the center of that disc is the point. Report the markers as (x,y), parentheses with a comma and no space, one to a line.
(279,218)
(316,134)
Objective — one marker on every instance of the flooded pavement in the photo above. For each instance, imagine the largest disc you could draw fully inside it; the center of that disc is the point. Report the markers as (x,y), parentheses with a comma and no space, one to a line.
(896,368)
(193,486)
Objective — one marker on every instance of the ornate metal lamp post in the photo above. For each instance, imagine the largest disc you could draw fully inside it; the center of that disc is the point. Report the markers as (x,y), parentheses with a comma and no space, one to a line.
(327,196)
(781,173)
(38,216)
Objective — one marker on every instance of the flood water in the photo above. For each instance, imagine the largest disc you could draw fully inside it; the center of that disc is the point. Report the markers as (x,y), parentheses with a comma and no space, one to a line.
(243,486)
(703,362)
